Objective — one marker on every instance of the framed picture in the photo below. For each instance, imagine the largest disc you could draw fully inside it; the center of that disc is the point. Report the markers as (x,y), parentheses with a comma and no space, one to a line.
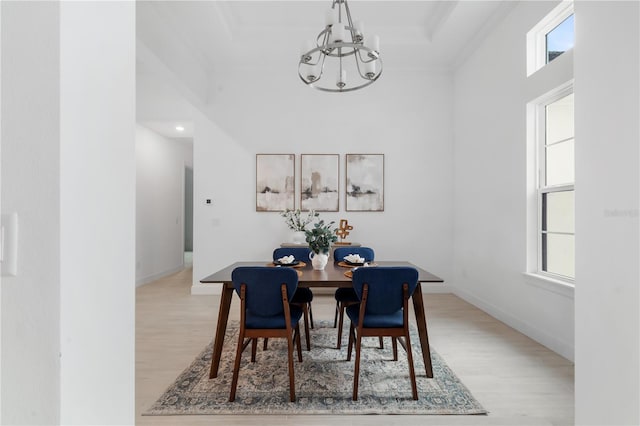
(365,182)
(319,182)
(275,188)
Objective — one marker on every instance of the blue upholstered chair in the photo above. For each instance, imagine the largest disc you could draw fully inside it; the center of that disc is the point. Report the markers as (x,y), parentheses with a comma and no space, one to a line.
(300,253)
(303,296)
(346,296)
(383,310)
(265,312)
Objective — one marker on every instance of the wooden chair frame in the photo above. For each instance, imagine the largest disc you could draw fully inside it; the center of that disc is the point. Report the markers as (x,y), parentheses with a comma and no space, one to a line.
(252,334)
(307,311)
(340,307)
(308,322)
(396,333)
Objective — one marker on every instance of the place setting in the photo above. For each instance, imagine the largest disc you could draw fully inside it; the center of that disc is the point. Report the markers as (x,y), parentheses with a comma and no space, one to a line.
(353,262)
(288,262)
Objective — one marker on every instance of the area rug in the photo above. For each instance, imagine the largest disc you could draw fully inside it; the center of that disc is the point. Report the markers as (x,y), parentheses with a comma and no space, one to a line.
(323,381)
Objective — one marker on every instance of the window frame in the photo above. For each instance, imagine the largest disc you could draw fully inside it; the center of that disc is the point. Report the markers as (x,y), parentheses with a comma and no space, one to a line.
(540,105)
(537,36)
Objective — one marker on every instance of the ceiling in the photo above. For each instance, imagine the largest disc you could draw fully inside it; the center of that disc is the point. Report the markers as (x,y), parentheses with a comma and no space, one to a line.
(198,42)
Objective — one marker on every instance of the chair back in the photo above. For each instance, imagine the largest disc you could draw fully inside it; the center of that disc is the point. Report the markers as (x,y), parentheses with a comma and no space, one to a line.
(366,252)
(263,295)
(300,253)
(385,294)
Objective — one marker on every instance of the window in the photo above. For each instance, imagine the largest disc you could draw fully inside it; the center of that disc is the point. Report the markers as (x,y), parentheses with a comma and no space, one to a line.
(555,193)
(559,40)
(551,37)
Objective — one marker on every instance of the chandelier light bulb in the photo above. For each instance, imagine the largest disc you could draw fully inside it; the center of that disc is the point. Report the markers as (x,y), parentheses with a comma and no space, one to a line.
(375,43)
(330,17)
(314,73)
(342,79)
(370,69)
(305,49)
(359,30)
(337,33)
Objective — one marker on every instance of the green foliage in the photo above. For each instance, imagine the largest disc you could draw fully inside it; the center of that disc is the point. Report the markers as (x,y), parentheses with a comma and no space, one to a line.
(321,236)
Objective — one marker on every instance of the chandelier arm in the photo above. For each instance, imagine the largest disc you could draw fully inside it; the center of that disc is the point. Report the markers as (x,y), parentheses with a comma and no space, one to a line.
(355,57)
(324,58)
(352,28)
(354,49)
(370,55)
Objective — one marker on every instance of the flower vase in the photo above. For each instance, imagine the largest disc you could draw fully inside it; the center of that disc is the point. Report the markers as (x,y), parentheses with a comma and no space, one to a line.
(299,237)
(319,260)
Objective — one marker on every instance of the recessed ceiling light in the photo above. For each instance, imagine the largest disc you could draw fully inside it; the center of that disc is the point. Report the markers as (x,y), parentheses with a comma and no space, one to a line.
(180,128)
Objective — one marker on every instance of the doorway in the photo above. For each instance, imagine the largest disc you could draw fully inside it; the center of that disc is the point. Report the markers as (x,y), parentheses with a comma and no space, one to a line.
(188,216)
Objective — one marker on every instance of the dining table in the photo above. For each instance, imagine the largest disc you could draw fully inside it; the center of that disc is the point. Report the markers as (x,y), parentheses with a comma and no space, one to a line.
(334,275)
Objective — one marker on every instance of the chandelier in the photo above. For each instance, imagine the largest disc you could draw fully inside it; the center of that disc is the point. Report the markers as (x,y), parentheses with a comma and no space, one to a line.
(340,51)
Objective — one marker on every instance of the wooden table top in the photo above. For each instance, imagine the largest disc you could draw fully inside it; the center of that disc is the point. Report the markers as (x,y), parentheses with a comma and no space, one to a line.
(333,275)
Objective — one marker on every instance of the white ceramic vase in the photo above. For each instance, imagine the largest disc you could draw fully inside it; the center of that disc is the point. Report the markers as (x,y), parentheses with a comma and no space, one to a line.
(319,260)
(298,237)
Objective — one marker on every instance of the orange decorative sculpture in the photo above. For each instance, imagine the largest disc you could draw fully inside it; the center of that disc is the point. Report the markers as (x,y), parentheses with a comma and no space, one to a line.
(343,231)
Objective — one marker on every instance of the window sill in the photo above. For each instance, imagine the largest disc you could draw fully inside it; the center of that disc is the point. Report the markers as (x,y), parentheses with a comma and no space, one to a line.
(550,284)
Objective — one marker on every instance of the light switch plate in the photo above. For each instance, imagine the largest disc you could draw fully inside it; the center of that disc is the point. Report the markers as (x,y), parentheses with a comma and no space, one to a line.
(9,244)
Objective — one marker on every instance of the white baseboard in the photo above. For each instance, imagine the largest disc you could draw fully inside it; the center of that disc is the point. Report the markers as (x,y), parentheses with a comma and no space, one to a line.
(558,346)
(435,288)
(149,278)
(209,289)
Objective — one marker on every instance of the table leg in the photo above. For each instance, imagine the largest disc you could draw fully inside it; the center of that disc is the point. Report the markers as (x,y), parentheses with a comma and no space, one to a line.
(421,320)
(221,328)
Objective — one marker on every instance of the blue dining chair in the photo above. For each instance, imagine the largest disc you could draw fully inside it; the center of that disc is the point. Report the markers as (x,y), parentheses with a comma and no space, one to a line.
(303,296)
(265,312)
(346,296)
(383,310)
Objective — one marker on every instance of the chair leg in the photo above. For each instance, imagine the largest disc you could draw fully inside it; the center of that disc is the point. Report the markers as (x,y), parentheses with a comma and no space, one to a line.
(381,342)
(305,310)
(335,317)
(412,373)
(298,345)
(264,344)
(394,341)
(351,333)
(292,390)
(310,315)
(356,370)
(254,344)
(340,325)
(236,369)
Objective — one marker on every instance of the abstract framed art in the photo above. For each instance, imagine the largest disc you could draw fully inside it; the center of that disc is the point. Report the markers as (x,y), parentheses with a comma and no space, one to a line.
(365,182)
(319,177)
(275,177)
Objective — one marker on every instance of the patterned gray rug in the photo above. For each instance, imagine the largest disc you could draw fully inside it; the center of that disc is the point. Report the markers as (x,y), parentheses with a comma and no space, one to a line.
(323,381)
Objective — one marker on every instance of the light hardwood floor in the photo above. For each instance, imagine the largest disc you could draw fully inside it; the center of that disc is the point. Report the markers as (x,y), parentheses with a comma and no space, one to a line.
(517,380)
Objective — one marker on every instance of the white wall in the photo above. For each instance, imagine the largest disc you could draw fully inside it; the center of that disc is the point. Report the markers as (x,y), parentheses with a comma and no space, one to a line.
(31,187)
(491,91)
(406,115)
(0,211)
(607,113)
(68,170)
(97,205)
(160,170)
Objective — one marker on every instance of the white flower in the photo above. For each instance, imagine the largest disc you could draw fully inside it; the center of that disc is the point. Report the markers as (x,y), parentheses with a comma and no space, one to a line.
(295,222)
